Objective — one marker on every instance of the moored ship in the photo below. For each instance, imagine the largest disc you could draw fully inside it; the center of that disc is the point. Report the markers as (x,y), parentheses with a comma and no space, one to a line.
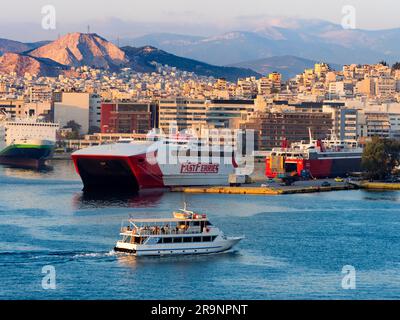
(28,142)
(316,159)
(186,233)
(157,162)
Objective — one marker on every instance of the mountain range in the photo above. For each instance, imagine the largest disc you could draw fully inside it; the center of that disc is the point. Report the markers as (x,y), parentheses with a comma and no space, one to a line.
(309,39)
(78,49)
(288,66)
(286,46)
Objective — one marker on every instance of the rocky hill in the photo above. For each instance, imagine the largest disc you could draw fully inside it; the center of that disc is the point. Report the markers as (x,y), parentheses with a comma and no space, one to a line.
(22,64)
(79,49)
(142,60)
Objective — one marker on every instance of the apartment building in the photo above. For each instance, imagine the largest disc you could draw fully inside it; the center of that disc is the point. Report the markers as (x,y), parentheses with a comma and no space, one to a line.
(218,113)
(272,128)
(81,107)
(13,107)
(344,121)
(221,113)
(182,112)
(126,117)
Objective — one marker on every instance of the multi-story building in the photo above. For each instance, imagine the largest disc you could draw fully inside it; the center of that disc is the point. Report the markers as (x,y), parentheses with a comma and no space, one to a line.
(344,121)
(272,128)
(81,107)
(385,86)
(13,107)
(40,93)
(126,117)
(216,113)
(182,112)
(221,113)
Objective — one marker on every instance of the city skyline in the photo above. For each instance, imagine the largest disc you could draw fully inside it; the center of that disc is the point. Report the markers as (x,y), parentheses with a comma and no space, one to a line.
(177,16)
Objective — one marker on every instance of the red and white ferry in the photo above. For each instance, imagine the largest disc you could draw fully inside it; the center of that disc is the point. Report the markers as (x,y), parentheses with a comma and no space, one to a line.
(155,163)
(317,158)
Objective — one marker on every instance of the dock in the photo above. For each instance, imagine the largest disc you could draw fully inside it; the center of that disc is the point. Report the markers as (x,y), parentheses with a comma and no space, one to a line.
(262,190)
(380,185)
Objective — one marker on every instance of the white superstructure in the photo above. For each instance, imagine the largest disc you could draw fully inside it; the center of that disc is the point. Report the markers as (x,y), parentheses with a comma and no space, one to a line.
(30,128)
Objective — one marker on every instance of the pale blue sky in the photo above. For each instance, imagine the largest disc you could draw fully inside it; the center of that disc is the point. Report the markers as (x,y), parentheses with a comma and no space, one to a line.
(21,19)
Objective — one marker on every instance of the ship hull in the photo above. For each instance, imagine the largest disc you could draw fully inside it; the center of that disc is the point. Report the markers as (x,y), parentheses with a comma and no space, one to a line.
(179,249)
(135,172)
(131,168)
(129,173)
(26,156)
(317,168)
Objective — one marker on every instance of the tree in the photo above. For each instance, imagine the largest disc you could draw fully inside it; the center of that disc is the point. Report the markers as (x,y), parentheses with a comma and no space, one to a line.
(380,157)
(396,66)
(75,127)
(383,62)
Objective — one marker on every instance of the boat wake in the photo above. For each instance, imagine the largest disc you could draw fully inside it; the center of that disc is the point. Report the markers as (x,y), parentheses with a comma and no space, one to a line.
(95,254)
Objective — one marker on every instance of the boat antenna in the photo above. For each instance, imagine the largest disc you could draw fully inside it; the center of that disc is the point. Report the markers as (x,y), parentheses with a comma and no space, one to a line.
(310,134)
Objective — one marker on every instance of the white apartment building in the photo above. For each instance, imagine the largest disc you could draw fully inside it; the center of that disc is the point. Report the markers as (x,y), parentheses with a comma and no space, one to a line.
(385,86)
(81,107)
(181,111)
(188,113)
(381,120)
(344,121)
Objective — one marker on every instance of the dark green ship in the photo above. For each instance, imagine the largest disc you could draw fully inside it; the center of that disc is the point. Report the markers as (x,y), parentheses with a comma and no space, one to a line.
(27,153)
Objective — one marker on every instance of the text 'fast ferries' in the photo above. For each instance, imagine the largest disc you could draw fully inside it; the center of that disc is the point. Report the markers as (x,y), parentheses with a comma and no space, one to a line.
(199,168)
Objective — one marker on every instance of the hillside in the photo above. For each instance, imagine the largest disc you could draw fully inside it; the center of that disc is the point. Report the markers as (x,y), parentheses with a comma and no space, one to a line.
(140,59)
(21,64)
(78,49)
(288,66)
(309,39)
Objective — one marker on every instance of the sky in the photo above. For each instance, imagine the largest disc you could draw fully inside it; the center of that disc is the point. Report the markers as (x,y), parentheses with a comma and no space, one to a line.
(22,19)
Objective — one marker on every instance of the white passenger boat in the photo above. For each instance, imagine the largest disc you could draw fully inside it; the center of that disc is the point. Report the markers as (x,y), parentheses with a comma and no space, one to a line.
(186,233)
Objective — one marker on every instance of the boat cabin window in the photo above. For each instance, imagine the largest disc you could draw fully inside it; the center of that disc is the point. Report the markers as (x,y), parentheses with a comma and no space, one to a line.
(177,240)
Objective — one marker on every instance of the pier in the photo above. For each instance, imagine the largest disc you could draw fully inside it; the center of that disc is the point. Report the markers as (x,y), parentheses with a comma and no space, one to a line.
(380,185)
(257,190)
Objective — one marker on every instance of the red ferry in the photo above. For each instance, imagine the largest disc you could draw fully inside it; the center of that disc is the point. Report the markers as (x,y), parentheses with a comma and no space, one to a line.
(316,159)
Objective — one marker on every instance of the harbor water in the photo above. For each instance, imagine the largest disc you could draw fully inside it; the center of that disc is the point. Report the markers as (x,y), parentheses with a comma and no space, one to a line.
(295,247)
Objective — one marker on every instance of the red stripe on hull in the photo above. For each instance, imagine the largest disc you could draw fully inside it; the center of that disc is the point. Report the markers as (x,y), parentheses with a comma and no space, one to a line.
(148,175)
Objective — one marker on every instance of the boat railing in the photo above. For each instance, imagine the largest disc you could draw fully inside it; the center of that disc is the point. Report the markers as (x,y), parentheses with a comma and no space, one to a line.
(160,231)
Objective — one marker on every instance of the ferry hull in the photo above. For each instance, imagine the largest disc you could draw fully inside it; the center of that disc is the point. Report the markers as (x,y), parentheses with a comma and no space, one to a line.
(189,249)
(318,168)
(26,156)
(133,173)
(152,165)
(117,172)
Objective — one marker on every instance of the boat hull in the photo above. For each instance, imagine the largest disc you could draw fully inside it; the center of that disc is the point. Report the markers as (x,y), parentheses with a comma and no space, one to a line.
(317,168)
(29,156)
(181,249)
(107,172)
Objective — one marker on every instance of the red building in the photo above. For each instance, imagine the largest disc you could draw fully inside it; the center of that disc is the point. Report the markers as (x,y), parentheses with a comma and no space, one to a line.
(125,117)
